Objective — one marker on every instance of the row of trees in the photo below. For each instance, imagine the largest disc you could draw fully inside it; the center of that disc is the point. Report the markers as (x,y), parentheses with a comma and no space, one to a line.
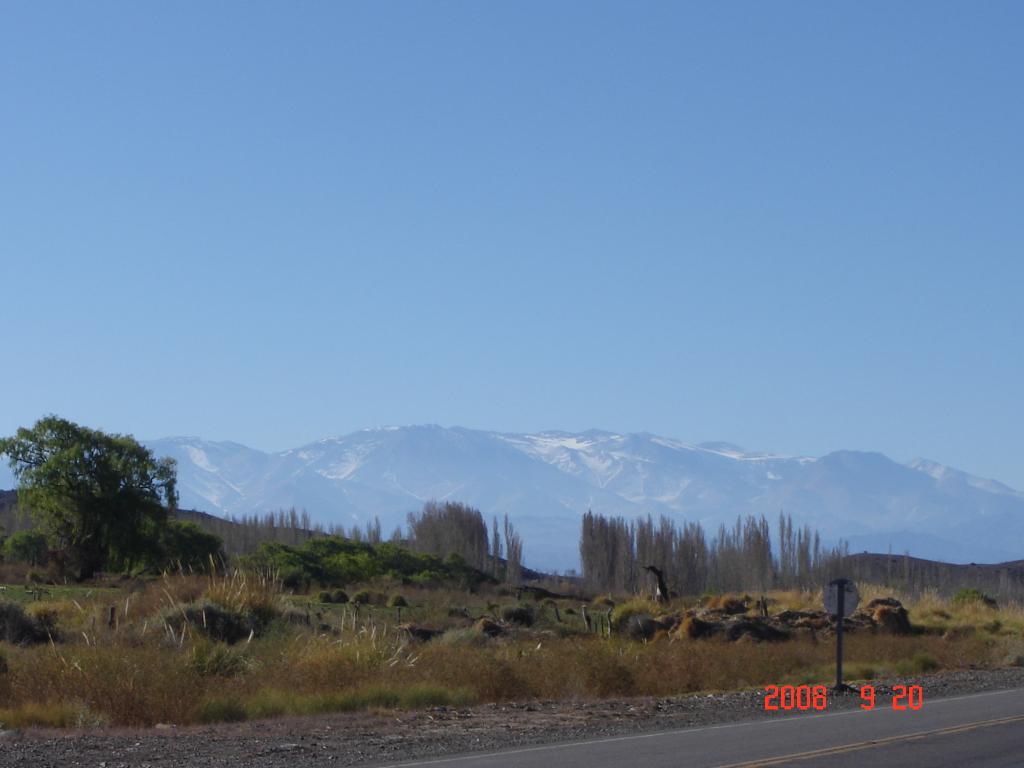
(614,553)
(454,528)
(244,534)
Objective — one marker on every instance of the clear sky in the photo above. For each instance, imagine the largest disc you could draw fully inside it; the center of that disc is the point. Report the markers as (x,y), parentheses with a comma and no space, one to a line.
(793,226)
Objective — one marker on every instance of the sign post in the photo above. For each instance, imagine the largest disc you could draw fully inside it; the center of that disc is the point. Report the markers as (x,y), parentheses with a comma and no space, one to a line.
(841,598)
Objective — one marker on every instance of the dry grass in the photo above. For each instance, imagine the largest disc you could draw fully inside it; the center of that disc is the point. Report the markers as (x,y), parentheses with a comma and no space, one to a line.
(139,672)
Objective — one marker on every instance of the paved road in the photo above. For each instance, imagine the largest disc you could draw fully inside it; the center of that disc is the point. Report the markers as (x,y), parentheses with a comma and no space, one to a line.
(982,731)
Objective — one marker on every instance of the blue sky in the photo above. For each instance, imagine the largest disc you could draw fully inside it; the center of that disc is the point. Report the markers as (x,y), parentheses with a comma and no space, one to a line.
(794,226)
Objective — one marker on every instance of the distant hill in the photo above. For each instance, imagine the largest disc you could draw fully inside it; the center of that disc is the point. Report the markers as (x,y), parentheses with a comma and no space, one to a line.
(546,481)
(1005,580)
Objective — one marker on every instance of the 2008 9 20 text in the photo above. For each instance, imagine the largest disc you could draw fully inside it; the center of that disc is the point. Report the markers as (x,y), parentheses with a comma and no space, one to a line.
(804,697)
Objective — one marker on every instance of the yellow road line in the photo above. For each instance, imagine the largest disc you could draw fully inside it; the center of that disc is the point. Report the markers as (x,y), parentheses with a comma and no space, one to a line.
(796,756)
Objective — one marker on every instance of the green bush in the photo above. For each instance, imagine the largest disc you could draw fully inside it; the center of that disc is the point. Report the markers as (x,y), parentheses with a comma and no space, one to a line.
(334,560)
(325,597)
(340,596)
(397,601)
(217,660)
(362,597)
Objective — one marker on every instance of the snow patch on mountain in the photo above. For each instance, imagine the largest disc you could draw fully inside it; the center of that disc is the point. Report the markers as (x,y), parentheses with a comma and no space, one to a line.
(545,481)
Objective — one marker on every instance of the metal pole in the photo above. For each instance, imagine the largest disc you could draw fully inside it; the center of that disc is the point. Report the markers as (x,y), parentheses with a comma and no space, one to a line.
(841,608)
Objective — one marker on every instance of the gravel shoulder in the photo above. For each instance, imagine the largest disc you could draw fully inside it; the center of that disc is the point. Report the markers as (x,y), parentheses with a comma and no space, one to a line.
(386,737)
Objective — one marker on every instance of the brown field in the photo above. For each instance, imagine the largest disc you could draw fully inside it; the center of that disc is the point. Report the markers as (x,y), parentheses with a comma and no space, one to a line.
(294,655)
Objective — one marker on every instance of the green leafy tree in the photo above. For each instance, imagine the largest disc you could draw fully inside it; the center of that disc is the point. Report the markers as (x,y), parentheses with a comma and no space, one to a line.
(26,547)
(102,498)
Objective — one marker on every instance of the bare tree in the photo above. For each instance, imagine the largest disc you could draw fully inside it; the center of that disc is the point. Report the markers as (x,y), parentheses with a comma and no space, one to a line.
(496,548)
(373,535)
(450,528)
(513,554)
(615,553)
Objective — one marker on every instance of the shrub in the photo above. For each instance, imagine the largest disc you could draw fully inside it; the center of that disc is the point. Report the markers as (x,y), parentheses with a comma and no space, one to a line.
(693,628)
(604,601)
(325,597)
(518,614)
(640,626)
(397,601)
(340,596)
(17,627)
(256,595)
(636,607)
(295,579)
(893,620)
(216,660)
(362,597)
(969,595)
(49,614)
(488,628)
(293,616)
(214,621)
(333,560)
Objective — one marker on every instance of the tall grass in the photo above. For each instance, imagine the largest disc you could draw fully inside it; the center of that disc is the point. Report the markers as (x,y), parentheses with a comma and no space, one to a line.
(138,673)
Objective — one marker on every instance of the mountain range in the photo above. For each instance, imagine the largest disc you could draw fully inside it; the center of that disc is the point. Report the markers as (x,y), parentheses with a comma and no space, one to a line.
(546,481)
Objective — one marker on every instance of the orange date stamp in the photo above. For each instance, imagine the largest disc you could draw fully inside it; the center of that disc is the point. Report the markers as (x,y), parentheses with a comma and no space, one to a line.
(805,697)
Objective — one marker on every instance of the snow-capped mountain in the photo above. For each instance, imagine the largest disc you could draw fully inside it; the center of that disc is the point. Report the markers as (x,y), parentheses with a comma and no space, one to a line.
(546,481)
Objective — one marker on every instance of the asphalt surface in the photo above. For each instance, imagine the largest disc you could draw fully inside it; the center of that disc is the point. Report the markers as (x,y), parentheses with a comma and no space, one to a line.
(982,730)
